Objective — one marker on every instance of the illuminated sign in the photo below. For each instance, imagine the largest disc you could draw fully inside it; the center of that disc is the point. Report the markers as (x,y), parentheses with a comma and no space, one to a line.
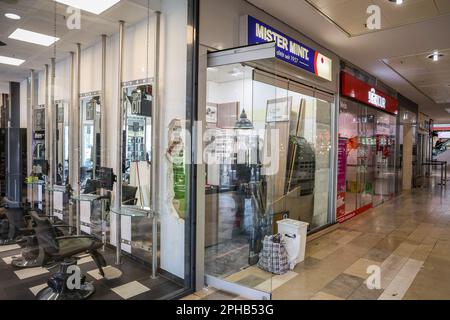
(376,99)
(358,90)
(290,50)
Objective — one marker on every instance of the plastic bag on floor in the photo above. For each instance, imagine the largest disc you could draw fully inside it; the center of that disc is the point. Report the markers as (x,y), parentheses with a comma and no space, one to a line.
(273,257)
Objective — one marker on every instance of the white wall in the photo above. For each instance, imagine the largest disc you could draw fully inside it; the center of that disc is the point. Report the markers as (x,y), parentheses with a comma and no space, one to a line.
(219,29)
(23,103)
(4,87)
(173,105)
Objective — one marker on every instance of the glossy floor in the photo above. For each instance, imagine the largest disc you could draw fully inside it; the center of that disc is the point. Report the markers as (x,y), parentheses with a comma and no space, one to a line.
(408,238)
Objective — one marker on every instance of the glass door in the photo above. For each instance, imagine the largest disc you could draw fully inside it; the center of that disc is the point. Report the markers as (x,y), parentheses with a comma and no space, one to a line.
(365,158)
(240,187)
(267,153)
(384,157)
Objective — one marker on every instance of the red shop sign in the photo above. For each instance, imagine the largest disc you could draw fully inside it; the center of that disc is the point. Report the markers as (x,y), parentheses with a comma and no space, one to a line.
(359,90)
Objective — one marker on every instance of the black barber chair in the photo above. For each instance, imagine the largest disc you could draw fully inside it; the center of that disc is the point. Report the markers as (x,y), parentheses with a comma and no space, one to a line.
(32,255)
(14,226)
(64,284)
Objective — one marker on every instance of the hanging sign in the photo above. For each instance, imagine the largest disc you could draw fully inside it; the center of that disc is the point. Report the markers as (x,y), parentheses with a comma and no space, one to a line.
(290,50)
(359,90)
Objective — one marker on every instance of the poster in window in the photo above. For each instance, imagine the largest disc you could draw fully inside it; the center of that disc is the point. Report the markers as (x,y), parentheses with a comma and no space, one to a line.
(211,114)
(278,110)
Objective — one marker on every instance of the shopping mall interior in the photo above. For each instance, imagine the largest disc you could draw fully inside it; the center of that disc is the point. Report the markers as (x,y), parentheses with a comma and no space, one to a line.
(224,150)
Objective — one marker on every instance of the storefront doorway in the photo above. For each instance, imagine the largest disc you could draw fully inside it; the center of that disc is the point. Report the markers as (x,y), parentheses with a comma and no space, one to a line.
(367,142)
(268,153)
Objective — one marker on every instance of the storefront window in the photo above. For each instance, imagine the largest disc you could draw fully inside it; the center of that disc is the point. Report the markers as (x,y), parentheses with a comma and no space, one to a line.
(124,110)
(283,171)
(368,136)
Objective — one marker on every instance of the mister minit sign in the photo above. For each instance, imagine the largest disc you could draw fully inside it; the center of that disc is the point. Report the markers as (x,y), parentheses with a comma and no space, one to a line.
(289,50)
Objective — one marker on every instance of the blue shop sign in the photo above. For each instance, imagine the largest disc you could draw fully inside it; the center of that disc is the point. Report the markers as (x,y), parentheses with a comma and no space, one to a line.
(290,50)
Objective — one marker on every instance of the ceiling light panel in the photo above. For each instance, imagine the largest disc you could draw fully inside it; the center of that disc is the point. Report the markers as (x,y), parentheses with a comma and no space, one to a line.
(92,6)
(11,61)
(33,37)
(12,16)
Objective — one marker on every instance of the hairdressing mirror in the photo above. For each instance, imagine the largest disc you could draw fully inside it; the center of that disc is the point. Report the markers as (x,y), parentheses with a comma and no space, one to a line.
(62,143)
(90,137)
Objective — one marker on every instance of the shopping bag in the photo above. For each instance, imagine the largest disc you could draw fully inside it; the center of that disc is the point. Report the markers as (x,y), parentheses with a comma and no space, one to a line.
(273,257)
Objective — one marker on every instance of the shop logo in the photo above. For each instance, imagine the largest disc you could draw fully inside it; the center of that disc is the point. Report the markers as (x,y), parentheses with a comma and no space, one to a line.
(374,20)
(74,19)
(376,99)
(374,279)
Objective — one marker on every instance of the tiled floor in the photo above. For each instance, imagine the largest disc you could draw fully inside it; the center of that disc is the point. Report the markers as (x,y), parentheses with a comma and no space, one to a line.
(130,280)
(408,238)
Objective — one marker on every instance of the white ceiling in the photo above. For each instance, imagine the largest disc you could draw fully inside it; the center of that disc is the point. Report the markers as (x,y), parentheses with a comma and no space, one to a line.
(347,13)
(430,77)
(38,16)
(368,51)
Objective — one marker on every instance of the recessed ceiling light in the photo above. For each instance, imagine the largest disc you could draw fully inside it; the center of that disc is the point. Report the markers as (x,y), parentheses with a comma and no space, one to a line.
(33,37)
(13,16)
(92,6)
(11,61)
(435,56)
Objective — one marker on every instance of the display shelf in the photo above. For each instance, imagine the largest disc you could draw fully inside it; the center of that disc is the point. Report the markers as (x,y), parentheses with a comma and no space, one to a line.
(86,197)
(133,211)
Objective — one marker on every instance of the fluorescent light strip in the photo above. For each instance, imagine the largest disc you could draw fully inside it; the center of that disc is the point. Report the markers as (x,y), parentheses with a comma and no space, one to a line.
(11,61)
(12,16)
(92,6)
(33,37)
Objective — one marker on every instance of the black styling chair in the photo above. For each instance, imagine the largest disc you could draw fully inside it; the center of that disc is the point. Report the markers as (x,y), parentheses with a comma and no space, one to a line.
(64,285)
(14,226)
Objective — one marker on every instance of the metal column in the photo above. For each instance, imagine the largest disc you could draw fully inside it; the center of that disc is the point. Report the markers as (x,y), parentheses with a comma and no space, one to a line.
(76,114)
(30,128)
(47,140)
(72,115)
(52,117)
(156,150)
(118,195)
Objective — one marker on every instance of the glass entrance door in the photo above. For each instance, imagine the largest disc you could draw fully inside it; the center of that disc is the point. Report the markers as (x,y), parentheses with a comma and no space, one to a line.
(267,152)
(365,158)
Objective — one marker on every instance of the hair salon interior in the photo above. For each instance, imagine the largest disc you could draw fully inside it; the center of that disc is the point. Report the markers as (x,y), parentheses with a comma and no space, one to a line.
(154,144)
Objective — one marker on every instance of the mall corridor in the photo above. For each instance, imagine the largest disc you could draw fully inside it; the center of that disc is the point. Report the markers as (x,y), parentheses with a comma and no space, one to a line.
(254,150)
(408,238)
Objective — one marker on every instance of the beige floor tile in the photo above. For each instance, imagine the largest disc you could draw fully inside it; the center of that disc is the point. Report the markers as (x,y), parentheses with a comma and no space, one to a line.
(390,267)
(9,259)
(130,290)
(35,290)
(9,247)
(109,271)
(31,272)
(205,291)
(405,249)
(359,268)
(398,287)
(276,281)
(324,296)
(422,252)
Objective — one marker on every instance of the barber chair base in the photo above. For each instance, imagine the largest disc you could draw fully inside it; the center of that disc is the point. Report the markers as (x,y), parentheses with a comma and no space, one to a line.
(58,285)
(85,291)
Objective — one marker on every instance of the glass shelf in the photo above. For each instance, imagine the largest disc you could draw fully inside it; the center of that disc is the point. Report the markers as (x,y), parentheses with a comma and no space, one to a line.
(57,188)
(39,182)
(86,197)
(134,211)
